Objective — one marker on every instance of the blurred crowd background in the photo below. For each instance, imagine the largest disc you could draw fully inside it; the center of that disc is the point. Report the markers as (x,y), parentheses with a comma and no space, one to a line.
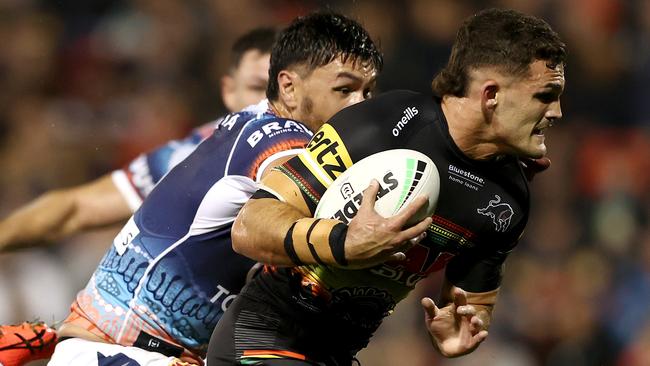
(87,85)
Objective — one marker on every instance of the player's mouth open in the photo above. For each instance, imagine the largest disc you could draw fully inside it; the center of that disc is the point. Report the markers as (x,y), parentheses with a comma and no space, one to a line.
(540,129)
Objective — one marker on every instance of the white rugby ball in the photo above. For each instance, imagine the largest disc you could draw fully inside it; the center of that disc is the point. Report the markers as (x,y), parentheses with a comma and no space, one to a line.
(402,174)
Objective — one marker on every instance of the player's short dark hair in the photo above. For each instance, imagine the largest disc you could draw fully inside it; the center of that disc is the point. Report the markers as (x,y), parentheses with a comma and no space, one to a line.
(260,39)
(506,39)
(316,40)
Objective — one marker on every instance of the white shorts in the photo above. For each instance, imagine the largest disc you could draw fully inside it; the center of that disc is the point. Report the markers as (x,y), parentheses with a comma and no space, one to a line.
(80,352)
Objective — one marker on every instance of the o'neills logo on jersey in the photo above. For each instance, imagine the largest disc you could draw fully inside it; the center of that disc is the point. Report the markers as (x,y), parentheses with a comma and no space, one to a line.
(326,156)
(409,113)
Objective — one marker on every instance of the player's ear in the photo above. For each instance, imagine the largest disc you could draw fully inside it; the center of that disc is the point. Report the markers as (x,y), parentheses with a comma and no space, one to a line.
(489,95)
(287,91)
(228,93)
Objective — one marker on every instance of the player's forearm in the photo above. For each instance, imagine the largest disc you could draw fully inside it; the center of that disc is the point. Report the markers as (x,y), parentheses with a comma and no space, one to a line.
(61,213)
(274,232)
(260,229)
(38,222)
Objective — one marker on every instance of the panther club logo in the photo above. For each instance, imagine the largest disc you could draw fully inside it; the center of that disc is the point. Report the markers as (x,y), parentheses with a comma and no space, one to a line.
(500,212)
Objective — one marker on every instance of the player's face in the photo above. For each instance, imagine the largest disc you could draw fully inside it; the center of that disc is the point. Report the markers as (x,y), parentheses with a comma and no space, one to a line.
(246,84)
(330,88)
(527,107)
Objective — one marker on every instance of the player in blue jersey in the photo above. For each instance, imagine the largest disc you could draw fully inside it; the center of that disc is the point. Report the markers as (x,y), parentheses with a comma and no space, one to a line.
(494,101)
(171,272)
(114,197)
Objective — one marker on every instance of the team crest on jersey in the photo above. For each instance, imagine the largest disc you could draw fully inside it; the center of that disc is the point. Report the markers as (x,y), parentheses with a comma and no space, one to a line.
(326,156)
(500,212)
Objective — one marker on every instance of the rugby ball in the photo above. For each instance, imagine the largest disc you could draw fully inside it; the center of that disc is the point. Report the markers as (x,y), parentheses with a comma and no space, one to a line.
(402,174)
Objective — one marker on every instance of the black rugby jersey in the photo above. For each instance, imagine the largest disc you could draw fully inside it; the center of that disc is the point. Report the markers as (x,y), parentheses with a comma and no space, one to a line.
(481,212)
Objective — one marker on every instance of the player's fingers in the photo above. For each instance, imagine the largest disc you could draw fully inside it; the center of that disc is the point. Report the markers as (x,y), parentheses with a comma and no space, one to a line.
(430,308)
(467,310)
(414,231)
(410,210)
(479,337)
(476,325)
(408,244)
(460,297)
(369,196)
(417,239)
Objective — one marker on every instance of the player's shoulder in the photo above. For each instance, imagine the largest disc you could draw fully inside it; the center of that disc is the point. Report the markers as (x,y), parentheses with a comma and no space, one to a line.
(394,99)
(388,106)
(259,116)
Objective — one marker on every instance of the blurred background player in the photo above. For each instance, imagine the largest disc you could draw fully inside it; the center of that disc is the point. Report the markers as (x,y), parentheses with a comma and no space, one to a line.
(114,197)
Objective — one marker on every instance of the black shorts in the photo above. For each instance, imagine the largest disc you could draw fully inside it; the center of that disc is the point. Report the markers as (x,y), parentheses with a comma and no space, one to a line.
(266,326)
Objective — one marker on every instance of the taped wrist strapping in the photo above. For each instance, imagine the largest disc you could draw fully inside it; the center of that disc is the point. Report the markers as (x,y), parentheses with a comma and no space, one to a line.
(319,241)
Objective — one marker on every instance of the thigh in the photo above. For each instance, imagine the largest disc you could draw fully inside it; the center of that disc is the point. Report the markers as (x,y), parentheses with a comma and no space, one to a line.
(246,334)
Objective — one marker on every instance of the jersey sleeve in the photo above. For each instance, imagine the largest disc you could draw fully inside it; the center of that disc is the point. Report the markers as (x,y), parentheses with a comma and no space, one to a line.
(136,179)
(482,270)
(263,142)
(477,271)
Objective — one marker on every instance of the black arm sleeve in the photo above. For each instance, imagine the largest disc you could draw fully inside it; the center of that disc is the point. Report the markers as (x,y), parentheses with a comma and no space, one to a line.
(476,271)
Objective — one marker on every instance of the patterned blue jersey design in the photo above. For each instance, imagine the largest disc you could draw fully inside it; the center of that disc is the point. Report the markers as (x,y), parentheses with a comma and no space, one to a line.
(171,271)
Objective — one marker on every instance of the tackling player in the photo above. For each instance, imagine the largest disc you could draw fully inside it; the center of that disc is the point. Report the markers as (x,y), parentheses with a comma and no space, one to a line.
(171,272)
(114,197)
(495,99)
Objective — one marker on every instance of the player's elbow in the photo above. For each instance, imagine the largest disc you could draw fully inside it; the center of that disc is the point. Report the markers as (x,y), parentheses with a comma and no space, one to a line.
(239,237)
(244,240)
(248,240)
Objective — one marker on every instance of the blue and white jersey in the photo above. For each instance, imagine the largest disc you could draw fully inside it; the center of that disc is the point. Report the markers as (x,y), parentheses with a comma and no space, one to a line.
(136,180)
(171,271)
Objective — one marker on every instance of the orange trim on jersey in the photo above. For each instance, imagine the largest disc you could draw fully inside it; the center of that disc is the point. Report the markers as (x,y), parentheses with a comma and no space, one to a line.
(274,149)
(274,353)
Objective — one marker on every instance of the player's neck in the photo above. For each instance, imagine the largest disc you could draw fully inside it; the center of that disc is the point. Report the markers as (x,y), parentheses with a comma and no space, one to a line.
(281,110)
(278,109)
(467,128)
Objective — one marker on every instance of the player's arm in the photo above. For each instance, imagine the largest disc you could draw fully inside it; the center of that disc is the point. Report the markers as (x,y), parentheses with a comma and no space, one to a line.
(60,213)
(459,322)
(276,227)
